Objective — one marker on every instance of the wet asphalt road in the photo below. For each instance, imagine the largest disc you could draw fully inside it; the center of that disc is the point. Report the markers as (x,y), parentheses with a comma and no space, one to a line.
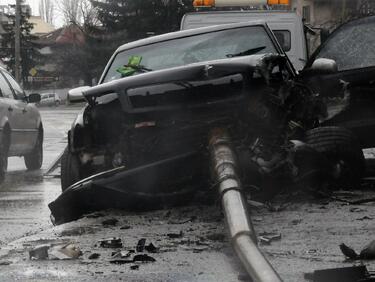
(24,195)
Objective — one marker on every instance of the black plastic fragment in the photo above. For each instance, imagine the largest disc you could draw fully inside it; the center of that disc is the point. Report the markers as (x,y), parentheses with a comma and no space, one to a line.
(141,245)
(345,274)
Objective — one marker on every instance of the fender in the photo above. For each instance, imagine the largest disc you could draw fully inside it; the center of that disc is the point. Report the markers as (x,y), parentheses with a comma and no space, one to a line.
(75,132)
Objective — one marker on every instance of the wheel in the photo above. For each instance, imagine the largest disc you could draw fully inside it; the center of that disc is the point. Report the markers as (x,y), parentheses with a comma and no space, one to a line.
(70,169)
(342,148)
(4,149)
(34,160)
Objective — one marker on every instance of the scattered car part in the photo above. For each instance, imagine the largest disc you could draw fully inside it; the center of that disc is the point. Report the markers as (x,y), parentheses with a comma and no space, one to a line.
(345,274)
(242,234)
(142,188)
(348,252)
(151,248)
(111,243)
(143,258)
(141,245)
(65,252)
(39,252)
(94,256)
(368,253)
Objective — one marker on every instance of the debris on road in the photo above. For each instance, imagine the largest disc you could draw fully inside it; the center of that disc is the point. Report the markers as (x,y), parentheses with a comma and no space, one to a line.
(348,252)
(65,252)
(141,245)
(122,254)
(134,267)
(345,274)
(267,238)
(175,235)
(110,222)
(143,258)
(121,261)
(151,248)
(365,218)
(5,262)
(39,252)
(94,256)
(111,243)
(136,258)
(368,253)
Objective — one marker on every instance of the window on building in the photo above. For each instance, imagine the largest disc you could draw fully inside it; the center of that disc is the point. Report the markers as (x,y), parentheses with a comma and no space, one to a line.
(306,14)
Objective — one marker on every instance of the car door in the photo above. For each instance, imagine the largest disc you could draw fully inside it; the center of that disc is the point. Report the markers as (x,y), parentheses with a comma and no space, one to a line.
(25,119)
(9,116)
(350,92)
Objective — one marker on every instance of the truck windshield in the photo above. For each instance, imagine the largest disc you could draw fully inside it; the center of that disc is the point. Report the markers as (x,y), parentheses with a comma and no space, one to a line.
(216,45)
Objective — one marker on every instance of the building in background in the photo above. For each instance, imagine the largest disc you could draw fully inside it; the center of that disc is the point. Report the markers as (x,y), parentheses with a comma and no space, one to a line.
(40,27)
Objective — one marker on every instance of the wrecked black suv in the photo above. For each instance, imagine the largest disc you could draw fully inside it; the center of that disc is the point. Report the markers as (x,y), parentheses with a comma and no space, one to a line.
(160,97)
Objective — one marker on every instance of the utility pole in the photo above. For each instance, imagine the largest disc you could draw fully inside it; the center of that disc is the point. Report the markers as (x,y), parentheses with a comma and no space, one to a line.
(17,50)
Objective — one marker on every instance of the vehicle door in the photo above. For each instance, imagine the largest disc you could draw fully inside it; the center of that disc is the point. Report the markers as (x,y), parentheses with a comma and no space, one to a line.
(8,115)
(25,116)
(350,92)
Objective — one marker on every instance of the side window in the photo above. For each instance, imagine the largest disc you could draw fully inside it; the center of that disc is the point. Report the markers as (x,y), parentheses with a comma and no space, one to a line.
(6,91)
(284,38)
(18,91)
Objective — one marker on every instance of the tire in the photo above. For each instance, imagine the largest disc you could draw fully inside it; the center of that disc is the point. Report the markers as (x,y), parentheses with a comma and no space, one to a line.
(70,169)
(342,148)
(34,160)
(4,148)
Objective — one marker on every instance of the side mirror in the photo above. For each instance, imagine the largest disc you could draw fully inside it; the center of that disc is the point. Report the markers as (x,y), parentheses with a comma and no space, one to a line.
(34,98)
(324,66)
(75,95)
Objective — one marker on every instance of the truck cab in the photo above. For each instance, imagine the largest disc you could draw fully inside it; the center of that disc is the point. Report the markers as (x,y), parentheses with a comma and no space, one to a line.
(287,27)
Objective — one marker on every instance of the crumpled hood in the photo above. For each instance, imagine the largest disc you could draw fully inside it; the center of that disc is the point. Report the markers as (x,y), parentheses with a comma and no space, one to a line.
(193,72)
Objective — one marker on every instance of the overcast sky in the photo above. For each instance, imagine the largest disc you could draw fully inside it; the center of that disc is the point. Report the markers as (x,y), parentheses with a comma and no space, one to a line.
(35,9)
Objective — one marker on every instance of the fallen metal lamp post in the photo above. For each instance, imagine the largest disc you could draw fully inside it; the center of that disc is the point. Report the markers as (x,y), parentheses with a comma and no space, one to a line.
(240,227)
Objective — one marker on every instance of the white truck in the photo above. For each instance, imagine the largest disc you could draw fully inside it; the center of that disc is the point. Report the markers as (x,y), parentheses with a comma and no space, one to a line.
(287,26)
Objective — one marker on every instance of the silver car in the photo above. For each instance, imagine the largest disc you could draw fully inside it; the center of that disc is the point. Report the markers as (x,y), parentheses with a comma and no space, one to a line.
(21,128)
(49,99)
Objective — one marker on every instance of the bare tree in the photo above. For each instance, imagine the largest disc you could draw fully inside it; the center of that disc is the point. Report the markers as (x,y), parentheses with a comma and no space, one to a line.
(46,10)
(70,10)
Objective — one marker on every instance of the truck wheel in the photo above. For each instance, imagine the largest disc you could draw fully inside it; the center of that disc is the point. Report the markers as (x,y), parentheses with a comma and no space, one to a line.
(342,148)
(70,169)
(34,160)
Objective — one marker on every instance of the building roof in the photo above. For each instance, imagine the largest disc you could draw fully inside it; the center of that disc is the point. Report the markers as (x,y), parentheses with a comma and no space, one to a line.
(40,26)
(65,35)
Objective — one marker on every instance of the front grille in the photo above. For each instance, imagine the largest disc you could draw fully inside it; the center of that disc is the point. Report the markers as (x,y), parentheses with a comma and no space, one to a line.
(186,94)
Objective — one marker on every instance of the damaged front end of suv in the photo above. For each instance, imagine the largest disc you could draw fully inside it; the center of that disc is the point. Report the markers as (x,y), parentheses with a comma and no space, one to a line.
(142,140)
(165,118)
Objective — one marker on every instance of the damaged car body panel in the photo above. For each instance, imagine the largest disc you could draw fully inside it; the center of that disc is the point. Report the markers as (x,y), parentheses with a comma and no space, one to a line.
(349,92)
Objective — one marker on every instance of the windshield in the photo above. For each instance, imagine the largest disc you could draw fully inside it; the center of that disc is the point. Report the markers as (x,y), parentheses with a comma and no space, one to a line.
(352,45)
(197,48)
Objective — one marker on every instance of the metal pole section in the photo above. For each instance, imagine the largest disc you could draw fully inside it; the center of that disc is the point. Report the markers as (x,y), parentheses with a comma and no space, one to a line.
(17,70)
(240,227)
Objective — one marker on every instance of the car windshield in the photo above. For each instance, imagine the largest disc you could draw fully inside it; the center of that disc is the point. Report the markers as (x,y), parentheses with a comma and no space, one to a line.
(196,48)
(352,46)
